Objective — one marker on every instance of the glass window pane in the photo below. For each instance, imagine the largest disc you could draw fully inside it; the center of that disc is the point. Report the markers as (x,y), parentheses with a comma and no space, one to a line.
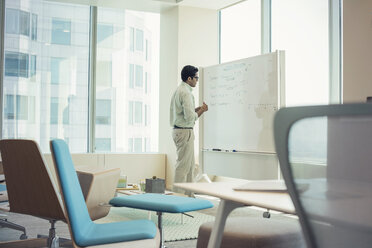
(12,21)
(11,64)
(241,31)
(32,65)
(120,78)
(34,27)
(139,40)
(9,110)
(61,31)
(54,110)
(24,23)
(22,107)
(131,39)
(103,145)
(131,76)
(103,112)
(137,145)
(45,87)
(301,29)
(139,76)
(138,112)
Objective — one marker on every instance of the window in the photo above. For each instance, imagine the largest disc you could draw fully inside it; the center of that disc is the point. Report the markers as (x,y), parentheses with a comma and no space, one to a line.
(61,31)
(104,34)
(147,50)
(54,70)
(45,87)
(16,107)
(32,65)
(241,31)
(135,113)
(130,145)
(12,21)
(16,64)
(17,22)
(131,39)
(139,40)
(34,27)
(139,76)
(104,73)
(24,23)
(103,112)
(55,80)
(138,112)
(131,76)
(59,70)
(137,145)
(306,45)
(54,110)
(135,76)
(103,144)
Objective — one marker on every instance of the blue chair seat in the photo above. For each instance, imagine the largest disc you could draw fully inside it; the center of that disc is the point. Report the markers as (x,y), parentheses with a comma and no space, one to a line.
(161,203)
(96,234)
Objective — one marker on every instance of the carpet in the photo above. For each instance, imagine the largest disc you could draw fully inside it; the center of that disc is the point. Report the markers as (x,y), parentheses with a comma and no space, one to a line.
(173,228)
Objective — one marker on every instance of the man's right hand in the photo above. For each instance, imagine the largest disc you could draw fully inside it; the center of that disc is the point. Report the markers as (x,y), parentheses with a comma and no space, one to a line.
(204,107)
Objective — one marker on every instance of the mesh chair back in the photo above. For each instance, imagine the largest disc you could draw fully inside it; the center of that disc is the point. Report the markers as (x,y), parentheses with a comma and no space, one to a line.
(325,154)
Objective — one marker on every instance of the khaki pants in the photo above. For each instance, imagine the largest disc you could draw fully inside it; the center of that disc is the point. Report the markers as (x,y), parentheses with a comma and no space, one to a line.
(184,141)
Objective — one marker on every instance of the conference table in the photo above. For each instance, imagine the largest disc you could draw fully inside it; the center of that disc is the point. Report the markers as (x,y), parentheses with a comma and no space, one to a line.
(231,199)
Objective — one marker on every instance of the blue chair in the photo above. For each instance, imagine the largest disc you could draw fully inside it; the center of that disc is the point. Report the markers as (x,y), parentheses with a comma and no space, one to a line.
(84,232)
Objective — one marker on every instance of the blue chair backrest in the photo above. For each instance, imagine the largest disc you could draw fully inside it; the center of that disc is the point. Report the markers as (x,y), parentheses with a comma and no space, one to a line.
(73,197)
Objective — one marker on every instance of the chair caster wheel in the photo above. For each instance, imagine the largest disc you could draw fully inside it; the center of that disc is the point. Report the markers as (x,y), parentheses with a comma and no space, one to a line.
(23,236)
(266,214)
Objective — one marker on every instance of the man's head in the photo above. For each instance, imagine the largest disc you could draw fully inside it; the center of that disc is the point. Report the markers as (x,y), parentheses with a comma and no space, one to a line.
(190,75)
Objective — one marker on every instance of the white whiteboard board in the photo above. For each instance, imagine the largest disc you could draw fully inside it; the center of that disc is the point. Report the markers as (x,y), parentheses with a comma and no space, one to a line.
(243,97)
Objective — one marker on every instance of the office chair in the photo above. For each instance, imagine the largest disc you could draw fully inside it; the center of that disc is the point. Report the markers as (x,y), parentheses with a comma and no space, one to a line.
(30,189)
(325,156)
(3,220)
(84,232)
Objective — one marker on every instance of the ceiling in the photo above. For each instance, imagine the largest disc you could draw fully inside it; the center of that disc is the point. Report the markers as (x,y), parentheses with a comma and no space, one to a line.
(154,5)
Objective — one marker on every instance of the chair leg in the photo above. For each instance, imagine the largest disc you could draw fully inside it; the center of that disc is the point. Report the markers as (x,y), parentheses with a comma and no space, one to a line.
(6,223)
(160,226)
(53,240)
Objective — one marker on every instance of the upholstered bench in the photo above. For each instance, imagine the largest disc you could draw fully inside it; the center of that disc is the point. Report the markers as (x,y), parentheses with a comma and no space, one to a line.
(255,232)
(161,203)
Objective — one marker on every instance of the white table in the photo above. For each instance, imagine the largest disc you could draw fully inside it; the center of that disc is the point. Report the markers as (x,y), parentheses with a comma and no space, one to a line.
(231,199)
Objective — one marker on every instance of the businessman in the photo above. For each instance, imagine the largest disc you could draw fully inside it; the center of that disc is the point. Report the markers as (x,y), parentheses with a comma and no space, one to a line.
(183,115)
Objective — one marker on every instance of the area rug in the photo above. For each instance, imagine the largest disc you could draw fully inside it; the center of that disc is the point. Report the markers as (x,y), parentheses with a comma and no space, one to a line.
(173,227)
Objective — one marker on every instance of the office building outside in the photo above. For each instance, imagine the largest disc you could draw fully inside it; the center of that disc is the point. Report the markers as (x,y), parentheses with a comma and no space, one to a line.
(47,51)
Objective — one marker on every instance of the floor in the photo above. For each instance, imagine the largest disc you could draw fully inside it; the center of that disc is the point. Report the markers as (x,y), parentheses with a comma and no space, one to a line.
(35,226)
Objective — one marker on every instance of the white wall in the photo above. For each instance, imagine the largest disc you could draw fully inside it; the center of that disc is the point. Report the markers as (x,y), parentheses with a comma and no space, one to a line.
(135,166)
(188,35)
(357,50)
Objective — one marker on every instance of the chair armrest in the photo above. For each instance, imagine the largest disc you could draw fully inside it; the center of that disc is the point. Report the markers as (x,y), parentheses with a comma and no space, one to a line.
(98,186)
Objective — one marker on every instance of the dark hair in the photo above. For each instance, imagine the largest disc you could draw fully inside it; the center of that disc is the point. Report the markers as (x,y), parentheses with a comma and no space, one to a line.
(188,71)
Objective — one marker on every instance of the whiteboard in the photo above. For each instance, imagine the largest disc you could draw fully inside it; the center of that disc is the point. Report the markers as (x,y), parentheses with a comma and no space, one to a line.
(242,98)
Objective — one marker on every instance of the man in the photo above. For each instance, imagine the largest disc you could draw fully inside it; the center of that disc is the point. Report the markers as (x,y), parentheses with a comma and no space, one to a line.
(183,115)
